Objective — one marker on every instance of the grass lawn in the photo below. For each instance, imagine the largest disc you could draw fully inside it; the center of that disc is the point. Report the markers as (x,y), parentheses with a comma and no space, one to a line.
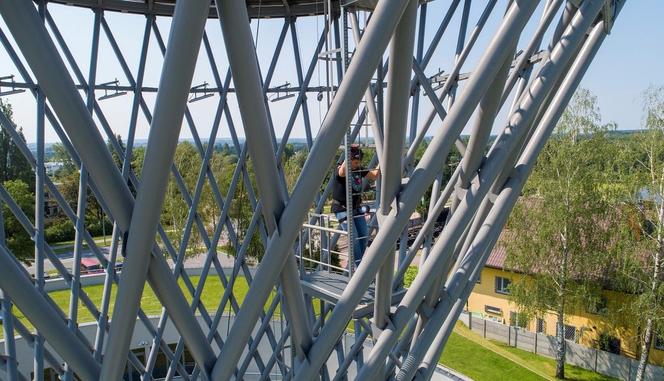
(480,363)
(483,359)
(211,296)
(549,365)
(68,246)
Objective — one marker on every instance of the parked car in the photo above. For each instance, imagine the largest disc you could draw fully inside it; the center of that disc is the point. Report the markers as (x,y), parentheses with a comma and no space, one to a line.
(91,266)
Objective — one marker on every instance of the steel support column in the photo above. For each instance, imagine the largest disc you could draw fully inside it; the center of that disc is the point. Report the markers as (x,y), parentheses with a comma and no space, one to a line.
(498,156)
(244,66)
(425,172)
(371,109)
(398,83)
(366,58)
(410,155)
(38,233)
(82,194)
(178,69)
(126,166)
(507,198)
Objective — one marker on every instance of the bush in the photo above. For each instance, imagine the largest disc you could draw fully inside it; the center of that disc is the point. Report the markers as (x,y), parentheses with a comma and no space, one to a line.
(59,230)
(62,229)
(96,229)
(254,252)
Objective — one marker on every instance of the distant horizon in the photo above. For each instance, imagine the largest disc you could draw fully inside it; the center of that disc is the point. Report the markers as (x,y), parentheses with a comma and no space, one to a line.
(295,139)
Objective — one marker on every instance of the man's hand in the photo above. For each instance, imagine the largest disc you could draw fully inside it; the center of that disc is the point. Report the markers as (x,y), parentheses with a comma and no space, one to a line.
(374,173)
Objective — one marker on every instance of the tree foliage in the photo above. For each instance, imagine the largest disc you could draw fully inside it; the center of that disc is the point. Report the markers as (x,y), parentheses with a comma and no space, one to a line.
(642,263)
(13,165)
(563,228)
(17,239)
(61,155)
(17,177)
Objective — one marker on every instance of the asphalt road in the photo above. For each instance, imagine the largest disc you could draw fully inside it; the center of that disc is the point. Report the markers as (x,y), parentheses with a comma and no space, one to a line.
(67,259)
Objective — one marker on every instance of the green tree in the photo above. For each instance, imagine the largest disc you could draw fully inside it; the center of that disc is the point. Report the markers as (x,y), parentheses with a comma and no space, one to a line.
(289,151)
(94,214)
(642,266)
(13,166)
(563,225)
(208,208)
(242,211)
(17,239)
(61,155)
(293,166)
(175,209)
(114,152)
(137,158)
(223,167)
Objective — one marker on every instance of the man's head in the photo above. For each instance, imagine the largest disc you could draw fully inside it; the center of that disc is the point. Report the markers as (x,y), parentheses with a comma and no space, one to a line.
(355,157)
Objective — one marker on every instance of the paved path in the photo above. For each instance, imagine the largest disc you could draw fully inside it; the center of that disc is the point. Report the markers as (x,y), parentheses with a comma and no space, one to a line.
(67,259)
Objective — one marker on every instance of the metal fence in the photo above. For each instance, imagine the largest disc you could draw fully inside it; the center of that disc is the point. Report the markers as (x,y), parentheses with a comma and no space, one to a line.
(599,361)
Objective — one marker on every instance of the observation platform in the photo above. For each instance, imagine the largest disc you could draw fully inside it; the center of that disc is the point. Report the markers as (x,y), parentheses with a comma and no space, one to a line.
(329,287)
(256,8)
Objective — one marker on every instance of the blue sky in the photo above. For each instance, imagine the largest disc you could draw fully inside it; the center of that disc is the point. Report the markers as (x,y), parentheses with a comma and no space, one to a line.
(629,61)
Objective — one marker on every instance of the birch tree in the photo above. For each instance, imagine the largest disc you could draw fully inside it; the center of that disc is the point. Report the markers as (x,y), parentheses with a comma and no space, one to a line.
(562,229)
(642,264)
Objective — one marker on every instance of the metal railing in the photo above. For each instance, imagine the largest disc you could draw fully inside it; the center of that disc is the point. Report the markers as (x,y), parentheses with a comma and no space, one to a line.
(318,249)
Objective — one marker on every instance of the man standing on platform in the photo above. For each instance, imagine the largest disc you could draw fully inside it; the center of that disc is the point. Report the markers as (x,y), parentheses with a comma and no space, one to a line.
(358,173)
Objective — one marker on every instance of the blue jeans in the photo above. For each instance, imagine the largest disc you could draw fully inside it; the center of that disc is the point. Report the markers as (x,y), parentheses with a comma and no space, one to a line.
(360,229)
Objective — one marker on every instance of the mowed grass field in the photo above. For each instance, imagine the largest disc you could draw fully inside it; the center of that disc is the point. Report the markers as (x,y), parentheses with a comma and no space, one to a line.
(211,296)
(483,359)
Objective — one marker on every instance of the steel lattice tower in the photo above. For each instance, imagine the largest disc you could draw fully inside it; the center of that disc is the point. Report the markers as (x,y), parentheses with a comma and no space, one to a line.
(379,73)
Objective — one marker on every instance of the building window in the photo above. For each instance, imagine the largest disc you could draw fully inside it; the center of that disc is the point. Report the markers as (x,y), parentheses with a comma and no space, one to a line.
(502,285)
(659,342)
(570,332)
(540,326)
(493,310)
(608,343)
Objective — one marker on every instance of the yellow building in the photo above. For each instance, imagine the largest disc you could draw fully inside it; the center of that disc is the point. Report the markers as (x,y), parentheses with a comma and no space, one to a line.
(490,299)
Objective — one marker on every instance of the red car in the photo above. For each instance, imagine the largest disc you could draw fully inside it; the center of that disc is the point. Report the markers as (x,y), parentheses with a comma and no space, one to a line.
(91,266)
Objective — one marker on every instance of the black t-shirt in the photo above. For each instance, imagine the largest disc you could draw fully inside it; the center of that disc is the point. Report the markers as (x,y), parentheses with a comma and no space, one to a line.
(339,190)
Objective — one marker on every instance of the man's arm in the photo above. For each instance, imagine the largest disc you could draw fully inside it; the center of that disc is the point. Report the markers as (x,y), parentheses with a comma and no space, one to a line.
(341,169)
(373,174)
